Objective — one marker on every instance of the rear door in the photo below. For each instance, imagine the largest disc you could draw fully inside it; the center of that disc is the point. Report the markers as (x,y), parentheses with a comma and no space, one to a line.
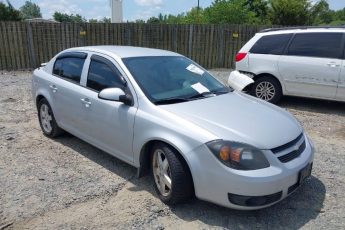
(109,124)
(312,63)
(68,69)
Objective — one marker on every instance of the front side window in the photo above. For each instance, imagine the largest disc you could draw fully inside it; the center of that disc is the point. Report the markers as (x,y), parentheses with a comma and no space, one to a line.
(103,74)
(173,78)
(69,68)
(271,44)
(324,45)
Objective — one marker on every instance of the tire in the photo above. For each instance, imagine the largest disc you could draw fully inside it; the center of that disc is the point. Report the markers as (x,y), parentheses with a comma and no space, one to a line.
(47,120)
(267,88)
(181,186)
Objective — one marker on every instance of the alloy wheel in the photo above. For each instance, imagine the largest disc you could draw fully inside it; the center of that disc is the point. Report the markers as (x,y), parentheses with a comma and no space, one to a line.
(46,118)
(161,172)
(265,90)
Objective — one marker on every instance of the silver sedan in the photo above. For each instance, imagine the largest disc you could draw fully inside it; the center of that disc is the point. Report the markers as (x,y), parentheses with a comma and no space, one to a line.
(166,115)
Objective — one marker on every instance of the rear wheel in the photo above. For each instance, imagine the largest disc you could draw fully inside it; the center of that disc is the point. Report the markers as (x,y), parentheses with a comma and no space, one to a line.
(173,182)
(268,89)
(47,119)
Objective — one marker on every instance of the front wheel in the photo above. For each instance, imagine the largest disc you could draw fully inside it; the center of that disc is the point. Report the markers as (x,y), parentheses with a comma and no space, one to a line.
(173,181)
(268,89)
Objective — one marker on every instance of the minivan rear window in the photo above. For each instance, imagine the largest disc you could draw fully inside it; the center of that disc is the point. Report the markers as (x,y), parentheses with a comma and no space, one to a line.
(271,44)
(324,45)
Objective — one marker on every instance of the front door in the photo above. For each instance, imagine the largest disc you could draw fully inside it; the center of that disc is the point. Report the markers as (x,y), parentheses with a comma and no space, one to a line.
(109,123)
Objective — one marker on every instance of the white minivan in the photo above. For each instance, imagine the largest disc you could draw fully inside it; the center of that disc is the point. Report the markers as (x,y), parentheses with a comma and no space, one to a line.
(299,61)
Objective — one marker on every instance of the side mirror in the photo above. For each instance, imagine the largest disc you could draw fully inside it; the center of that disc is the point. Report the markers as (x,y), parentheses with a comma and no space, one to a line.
(115,94)
(239,81)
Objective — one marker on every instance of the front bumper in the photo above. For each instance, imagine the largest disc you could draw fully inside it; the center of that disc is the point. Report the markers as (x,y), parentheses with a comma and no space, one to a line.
(219,184)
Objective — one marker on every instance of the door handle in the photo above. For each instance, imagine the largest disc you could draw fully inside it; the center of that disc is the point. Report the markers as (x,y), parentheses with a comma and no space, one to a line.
(53,88)
(333,64)
(86,102)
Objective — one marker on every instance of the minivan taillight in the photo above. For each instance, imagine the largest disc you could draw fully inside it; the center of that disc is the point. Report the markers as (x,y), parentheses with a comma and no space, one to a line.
(240,56)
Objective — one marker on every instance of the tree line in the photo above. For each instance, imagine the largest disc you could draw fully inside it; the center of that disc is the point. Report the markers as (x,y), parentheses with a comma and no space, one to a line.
(264,12)
(31,10)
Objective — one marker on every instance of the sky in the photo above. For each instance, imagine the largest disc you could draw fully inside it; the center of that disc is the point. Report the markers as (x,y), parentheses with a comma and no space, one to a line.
(132,9)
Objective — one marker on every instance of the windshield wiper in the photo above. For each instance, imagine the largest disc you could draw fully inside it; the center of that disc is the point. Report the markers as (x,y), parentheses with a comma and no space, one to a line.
(202,95)
(171,100)
(207,94)
(174,100)
(222,92)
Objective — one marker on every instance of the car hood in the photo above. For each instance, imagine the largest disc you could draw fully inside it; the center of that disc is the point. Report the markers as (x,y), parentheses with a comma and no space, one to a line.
(238,117)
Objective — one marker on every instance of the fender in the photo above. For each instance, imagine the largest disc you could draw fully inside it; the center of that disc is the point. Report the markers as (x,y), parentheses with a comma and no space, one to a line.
(174,131)
(142,159)
(257,76)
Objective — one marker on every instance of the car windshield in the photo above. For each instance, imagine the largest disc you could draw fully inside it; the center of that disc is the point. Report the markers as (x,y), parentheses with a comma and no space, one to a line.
(173,79)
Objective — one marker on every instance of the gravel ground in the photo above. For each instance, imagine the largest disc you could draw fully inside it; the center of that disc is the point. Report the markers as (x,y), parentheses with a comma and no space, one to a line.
(68,184)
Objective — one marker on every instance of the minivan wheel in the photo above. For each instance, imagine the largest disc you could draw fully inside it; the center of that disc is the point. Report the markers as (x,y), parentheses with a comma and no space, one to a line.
(173,182)
(47,120)
(268,89)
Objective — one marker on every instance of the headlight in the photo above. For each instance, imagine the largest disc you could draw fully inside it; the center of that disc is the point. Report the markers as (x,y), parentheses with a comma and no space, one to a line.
(238,155)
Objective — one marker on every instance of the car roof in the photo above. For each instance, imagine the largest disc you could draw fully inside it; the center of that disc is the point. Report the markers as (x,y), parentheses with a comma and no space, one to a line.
(125,51)
(302,30)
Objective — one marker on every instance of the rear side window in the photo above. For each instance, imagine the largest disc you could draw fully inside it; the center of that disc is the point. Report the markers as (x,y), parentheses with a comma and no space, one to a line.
(69,68)
(324,45)
(271,44)
(103,74)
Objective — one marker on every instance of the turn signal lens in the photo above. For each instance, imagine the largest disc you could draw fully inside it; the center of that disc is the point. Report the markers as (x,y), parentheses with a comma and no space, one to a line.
(224,153)
(227,153)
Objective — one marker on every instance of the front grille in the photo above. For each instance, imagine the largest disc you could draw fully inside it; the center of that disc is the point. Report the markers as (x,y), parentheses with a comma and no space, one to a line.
(291,150)
(294,154)
(287,145)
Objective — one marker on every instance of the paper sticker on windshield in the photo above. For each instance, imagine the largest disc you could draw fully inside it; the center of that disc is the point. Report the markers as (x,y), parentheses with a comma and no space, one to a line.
(194,69)
(200,88)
